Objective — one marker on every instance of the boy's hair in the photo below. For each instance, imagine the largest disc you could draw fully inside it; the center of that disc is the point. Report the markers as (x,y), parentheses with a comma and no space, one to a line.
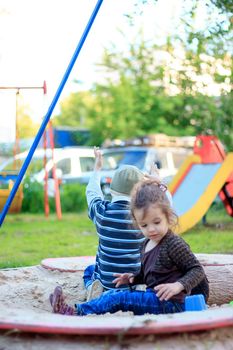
(124,179)
(148,192)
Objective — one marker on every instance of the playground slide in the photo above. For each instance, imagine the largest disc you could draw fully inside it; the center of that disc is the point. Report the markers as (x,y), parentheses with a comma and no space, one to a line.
(195,187)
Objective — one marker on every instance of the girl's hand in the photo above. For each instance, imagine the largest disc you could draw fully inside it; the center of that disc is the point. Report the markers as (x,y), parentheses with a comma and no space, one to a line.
(123,278)
(167,290)
(98,159)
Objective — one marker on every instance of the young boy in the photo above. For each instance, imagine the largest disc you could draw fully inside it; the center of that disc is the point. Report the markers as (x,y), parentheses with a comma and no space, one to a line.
(120,243)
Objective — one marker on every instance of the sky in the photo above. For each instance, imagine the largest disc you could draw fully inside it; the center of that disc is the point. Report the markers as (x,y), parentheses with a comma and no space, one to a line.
(38,39)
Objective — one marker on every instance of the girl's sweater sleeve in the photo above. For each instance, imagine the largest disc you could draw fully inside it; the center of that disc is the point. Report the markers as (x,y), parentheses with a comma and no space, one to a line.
(180,253)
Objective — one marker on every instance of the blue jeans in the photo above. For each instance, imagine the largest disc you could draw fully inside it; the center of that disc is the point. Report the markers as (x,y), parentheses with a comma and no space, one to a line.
(138,302)
(88,275)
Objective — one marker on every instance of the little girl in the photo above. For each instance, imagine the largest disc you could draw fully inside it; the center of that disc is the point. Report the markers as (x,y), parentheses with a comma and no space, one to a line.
(169,269)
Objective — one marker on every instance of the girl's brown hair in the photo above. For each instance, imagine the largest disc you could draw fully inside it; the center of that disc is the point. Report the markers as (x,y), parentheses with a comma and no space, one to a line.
(148,192)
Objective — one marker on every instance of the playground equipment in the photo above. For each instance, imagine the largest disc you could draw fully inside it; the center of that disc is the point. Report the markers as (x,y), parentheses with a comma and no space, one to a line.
(8,178)
(49,113)
(204,175)
(6,182)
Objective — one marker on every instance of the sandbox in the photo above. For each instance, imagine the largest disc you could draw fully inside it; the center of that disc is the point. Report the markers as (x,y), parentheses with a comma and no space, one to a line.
(24,307)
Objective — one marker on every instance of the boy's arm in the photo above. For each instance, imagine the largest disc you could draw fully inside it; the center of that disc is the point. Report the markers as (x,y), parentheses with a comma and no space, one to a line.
(93,189)
(154,174)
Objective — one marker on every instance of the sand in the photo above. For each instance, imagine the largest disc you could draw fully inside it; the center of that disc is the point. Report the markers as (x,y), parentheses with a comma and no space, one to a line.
(27,290)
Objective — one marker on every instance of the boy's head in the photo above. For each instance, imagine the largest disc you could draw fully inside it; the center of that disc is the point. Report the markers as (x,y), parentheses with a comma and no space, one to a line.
(124,179)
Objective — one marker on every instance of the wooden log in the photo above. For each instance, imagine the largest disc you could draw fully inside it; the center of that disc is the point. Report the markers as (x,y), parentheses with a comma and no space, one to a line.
(219,271)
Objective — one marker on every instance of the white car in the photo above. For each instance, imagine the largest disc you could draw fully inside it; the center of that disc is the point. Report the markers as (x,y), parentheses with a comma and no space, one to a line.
(167,159)
(70,162)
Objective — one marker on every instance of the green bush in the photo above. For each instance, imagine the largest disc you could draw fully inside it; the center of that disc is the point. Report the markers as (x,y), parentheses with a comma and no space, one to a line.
(33,197)
(72,196)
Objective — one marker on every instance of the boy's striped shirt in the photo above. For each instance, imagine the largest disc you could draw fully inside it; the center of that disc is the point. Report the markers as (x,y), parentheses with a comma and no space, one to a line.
(119,242)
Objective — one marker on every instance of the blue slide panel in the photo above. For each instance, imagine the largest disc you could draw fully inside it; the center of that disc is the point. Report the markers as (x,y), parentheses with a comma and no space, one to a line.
(193,186)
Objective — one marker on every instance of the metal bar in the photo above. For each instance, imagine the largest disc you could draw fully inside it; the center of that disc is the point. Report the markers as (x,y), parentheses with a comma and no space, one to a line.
(20,87)
(24,87)
(49,113)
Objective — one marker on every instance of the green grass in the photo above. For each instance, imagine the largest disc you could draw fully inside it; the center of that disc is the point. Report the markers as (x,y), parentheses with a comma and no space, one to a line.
(214,238)
(26,239)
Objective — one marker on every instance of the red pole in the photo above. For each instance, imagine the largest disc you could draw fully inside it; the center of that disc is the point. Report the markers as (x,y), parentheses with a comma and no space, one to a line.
(45,87)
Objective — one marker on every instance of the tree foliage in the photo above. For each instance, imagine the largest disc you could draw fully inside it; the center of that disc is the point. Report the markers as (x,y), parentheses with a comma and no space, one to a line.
(26,127)
(164,88)
(74,110)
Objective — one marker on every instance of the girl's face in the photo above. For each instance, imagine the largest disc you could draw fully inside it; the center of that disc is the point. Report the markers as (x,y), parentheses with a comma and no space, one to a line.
(153,223)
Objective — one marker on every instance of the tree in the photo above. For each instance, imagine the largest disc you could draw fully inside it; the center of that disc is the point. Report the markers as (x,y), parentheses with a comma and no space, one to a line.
(164,88)
(27,128)
(74,111)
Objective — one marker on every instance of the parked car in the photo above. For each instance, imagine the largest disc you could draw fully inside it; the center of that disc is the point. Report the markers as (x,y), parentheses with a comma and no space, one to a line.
(75,164)
(171,159)
(113,158)
(70,162)
(168,161)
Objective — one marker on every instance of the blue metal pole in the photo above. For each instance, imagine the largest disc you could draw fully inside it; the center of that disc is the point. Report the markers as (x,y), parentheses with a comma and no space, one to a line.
(49,113)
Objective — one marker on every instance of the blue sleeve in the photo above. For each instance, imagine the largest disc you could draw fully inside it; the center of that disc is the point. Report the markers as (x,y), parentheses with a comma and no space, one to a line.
(93,189)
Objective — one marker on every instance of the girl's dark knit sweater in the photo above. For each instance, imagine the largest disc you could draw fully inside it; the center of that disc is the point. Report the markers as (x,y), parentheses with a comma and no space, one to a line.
(173,261)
